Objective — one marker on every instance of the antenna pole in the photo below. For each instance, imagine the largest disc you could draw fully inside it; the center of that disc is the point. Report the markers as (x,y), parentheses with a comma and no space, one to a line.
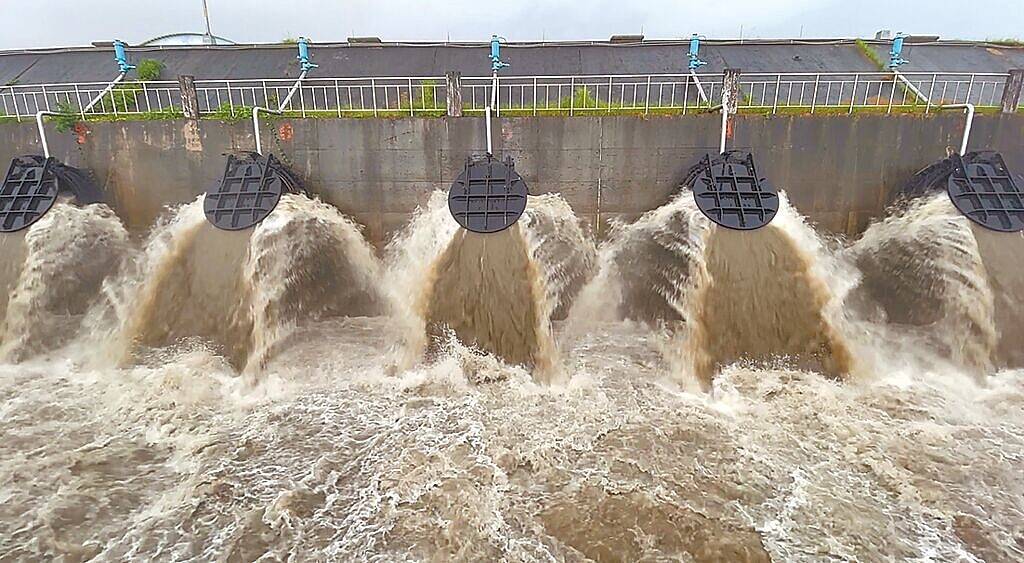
(206,18)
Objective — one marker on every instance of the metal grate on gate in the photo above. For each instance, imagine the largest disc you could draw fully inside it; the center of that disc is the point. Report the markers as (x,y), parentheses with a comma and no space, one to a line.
(489,196)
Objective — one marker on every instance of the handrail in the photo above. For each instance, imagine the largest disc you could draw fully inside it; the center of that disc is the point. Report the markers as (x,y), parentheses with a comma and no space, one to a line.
(632,92)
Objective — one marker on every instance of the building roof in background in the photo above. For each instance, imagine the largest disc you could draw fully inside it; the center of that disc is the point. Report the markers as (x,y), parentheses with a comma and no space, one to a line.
(364,57)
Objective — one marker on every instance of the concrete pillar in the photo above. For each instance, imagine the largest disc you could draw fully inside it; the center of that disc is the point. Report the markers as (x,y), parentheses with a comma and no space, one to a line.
(189,98)
(190,107)
(731,89)
(1011,92)
(453,87)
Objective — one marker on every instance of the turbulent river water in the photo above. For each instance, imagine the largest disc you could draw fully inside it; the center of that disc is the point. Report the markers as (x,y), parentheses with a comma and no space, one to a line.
(676,393)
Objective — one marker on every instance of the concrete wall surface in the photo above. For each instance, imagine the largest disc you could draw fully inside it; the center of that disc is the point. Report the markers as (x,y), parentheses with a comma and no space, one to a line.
(838,170)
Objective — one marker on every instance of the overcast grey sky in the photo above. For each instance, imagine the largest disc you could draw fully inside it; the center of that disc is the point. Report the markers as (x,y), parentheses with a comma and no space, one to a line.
(42,23)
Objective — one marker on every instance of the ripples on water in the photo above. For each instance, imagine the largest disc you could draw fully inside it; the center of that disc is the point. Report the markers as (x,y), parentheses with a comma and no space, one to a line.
(347,440)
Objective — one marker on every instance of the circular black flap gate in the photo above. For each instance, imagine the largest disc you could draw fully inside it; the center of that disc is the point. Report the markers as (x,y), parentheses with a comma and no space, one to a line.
(28,192)
(728,191)
(250,190)
(489,195)
(985,192)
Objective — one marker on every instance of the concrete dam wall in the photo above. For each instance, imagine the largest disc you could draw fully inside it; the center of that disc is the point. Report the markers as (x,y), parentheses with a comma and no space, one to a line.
(838,170)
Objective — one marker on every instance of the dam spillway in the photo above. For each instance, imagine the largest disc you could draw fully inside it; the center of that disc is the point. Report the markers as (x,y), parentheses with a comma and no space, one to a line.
(613,375)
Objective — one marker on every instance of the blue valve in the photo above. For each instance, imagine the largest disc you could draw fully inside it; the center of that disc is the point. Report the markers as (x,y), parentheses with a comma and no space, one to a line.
(694,62)
(895,59)
(304,55)
(496,62)
(120,57)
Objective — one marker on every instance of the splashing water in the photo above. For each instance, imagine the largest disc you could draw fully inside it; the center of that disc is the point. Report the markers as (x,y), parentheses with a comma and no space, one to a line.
(53,272)
(333,453)
(923,272)
(763,295)
(467,281)
(241,291)
(724,296)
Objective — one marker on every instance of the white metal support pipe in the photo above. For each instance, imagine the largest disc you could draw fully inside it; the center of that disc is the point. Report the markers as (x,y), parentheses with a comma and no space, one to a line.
(917,92)
(725,125)
(42,130)
(40,114)
(725,129)
(105,91)
(487,110)
(969,110)
(280,109)
(700,88)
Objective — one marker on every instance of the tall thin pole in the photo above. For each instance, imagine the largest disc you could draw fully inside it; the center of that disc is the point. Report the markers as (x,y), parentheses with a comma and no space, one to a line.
(206,18)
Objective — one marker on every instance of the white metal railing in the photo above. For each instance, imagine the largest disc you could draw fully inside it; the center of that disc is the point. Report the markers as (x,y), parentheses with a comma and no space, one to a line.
(388,96)
(517,95)
(588,94)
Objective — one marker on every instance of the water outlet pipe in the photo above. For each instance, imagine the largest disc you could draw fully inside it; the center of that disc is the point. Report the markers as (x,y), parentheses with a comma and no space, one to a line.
(306,66)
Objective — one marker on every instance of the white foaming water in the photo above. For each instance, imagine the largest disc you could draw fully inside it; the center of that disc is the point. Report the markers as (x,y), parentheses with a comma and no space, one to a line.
(240,292)
(306,261)
(60,266)
(332,454)
(923,271)
(722,296)
(445,278)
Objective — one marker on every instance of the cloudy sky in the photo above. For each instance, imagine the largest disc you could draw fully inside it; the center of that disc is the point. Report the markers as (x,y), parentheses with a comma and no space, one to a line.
(42,23)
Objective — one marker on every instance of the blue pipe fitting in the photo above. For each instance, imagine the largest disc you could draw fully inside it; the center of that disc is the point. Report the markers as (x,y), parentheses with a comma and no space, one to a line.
(895,59)
(694,62)
(120,57)
(496,62)
(303,56)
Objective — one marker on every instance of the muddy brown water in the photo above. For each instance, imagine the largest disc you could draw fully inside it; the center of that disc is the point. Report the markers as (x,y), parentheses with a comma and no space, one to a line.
(341,434)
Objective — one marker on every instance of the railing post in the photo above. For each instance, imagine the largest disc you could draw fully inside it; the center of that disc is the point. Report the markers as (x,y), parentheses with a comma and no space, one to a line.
(1011,91)
(453,89)
(189,98)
